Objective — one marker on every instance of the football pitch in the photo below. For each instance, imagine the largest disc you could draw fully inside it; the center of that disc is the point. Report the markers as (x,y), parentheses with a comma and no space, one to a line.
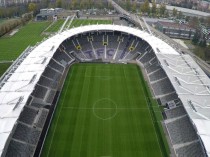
(12,46)
(103,111)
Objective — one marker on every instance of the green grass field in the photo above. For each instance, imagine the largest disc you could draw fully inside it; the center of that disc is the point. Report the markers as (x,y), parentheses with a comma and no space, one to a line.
(56,26)
(12,47)
(76,23)
(4,67)
(79,22)
(103,111)
(30,34)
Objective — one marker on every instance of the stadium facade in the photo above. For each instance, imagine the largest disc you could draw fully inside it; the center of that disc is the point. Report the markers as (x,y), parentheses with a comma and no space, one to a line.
(28,88)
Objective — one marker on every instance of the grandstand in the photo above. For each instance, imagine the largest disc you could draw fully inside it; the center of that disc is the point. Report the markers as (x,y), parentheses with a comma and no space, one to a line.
(30,88)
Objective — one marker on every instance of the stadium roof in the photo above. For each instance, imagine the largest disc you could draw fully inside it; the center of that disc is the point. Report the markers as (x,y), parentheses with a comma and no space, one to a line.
(21,83)
(193,88)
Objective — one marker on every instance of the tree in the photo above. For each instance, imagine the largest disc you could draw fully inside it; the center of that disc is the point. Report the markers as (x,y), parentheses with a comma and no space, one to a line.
(180,15)
(194,22)
(187,18)
(74,4)
(90,3)
(99,4)
(128,4)
(208,21)
(174,12)
(134,6)
(32,7)
(58,3)
(83,4)
(202,43)
(207,52)
(154,7)
(196,37)
(145,7)
(110,5)
(162,9)
(166,13)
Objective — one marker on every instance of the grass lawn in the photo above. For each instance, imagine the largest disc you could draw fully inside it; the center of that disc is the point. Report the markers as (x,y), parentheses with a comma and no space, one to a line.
(104,111)
(81,22)
(76,23)
(56,26)
(12,47)
(4,67)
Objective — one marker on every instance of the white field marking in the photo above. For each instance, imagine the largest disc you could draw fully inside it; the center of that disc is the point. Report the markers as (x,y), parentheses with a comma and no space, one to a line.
(102,77)
(108,118)
(59,114)
(151,118)
(90,108)
(124,72)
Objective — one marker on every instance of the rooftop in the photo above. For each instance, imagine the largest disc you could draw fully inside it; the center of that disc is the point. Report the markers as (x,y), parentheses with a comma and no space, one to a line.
(175,25)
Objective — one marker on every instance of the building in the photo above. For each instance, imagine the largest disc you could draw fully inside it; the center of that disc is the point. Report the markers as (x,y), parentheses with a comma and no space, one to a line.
(188,12)
(49,14)
(175,30)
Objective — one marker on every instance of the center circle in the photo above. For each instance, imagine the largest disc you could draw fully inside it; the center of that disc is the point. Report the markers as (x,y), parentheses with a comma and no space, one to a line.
(105,109)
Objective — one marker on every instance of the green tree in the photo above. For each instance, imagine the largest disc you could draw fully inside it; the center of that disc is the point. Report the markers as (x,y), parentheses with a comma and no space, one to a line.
(162,9)
(83,4)
(74,4)
(196,38)
(134,6)
(58,3)
(180,15)
(32,7)
(194,22)
(99,4)
(154,7)
(166,13)
(90,3)
(145,7)
(202,43)
(109,5)
(128,5)
(174,12)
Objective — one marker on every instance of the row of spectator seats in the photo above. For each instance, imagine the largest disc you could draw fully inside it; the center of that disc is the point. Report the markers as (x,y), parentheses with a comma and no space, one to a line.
(42,118)
(62,57)
(44,81)
(157,75)
(26,134)
(28,115)
(162,87)
(175,112)
(193,150)
(181,130)
(52,74)
(50,96)
(40,92)
(169,97)
(147,56)
(56,65)
(152,66)
(116,42)
(19,149)
(27,131)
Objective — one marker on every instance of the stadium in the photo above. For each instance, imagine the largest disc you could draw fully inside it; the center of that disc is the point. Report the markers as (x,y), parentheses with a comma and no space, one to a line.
(104,90)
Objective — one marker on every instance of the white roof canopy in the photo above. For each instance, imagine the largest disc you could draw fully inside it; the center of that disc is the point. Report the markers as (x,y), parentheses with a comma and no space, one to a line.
(19,86)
